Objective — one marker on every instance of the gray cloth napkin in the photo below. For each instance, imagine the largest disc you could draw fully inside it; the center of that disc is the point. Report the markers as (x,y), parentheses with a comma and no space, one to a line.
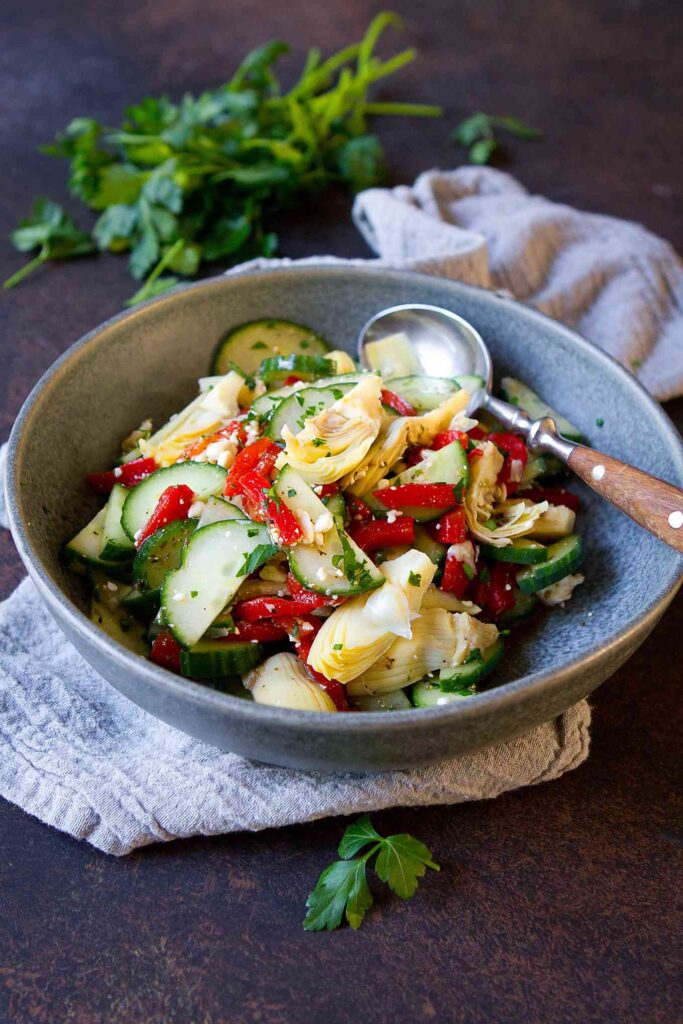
(80,757)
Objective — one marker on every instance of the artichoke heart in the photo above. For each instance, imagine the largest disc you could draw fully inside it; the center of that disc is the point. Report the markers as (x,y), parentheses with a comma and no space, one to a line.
(362,630)
(490,516)
(283,682)
(210,411)
(556,521)
(471,635)
(337,439)
(398,435)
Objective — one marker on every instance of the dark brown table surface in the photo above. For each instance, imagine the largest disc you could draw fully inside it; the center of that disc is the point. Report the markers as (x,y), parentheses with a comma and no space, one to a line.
(561,903)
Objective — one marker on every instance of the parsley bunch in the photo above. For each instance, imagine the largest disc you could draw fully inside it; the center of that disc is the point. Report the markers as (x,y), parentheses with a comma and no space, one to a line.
(342,889)
(180,185)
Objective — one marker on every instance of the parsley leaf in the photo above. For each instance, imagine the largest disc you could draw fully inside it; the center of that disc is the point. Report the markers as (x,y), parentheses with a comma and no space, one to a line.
(51,230)
(414,579)
(258,557)
(342,889)
(477,134)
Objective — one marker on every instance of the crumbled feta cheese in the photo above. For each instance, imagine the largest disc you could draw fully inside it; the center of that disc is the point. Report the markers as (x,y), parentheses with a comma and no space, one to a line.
(324,522)
(464,553)
(253,433)
(196,508)
(516,470)
(118,472)
(112,586)
(558,593)
(394,514)
(306,525)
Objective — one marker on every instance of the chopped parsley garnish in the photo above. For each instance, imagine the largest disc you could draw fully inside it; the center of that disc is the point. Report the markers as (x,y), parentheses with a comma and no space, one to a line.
(337,393)
(304,344)
(414,579)
(474,655)
(356,572)
(252,532)
(318,442)
(458,491)
(193,593)
(490,524)
(338,647)
(291,493)
(259,344)
(342,889)
(468,570)
(256,558)
(300,399)
(599,422)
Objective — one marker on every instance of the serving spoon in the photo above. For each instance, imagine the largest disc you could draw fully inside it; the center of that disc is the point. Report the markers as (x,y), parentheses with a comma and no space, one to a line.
(446,345)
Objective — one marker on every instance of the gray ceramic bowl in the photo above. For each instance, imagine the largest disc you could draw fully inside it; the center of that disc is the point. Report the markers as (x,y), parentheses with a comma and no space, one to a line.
(146,362)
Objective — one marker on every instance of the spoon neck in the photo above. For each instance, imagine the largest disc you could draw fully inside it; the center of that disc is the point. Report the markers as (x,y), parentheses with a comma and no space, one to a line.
(542,435)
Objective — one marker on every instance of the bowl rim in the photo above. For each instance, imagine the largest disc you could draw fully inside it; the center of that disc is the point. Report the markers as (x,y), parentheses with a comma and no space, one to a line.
(246,712)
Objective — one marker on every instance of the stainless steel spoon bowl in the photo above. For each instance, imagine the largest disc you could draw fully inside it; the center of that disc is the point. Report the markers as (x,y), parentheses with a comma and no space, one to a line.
(446,345)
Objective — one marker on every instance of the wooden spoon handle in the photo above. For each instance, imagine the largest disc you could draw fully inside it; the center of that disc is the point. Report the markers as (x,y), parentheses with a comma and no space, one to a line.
(652,503)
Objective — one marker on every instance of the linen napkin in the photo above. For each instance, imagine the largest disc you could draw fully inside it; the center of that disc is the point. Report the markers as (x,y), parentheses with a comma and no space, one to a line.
(82,758)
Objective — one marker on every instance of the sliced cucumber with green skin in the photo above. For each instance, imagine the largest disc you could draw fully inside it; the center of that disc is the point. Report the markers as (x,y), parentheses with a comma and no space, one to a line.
(434,551)
(217,510)
(448,465)
(213,659)
(469,382)
(143,603)
(520,552)
(121,626)
(396,701)
(461,677)
(301,406)
(116,545)
(306,367)
(325,568)
(430,695)
(424,393)
(524,607)
(83,551)
(213,567)
(517,393)
(204,479)
(336,506)
(263,406)
(564,558)
(248,344)
(162,553)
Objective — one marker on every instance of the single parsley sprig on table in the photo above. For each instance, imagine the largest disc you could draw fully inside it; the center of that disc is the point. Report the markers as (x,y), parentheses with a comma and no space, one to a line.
(181,185)
(51,230)
(342,889)
(477,134)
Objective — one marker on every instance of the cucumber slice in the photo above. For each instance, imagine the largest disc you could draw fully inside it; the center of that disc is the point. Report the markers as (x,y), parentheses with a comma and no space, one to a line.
(205,479)
(461,677)
(393,356)
(83,551)
(301,406)
(217,510)
(264,405)
(336,506)
(520,552)
(162,553)
(247,344)
(120,625)
(564,558)
(434,551)
(213,659)
(424,393)
(214,564)
(524,607)
(145,604)
(116,545)
(338,567)
(306,367)
(448,465)
(517,393)
(430,695)
(396,701)
(223,625)
(470,382)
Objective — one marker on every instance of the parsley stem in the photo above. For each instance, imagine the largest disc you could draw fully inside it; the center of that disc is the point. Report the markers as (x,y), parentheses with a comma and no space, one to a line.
(33,264)
(167,258)
(403,109)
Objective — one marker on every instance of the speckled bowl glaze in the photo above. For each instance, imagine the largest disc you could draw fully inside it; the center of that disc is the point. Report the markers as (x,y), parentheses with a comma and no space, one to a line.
(146,362)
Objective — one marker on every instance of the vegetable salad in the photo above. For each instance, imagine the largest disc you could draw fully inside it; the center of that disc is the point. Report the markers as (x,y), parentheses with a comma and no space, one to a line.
(310,536)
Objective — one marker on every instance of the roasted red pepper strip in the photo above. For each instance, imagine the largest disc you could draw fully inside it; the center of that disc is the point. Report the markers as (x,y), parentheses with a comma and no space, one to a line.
(292,379)
(477,434)
(303,643)
(130,474)
(263,632)
(451,528)
(313,600)
(256,608)
(381,534)
(165,652)
(173,504)
(327,489)
(249,477)
(448,437)
(419,495)
(234,429)
(358,510)
(397,403)
(555,495)
(497,594)
(515,451)
(454,580)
